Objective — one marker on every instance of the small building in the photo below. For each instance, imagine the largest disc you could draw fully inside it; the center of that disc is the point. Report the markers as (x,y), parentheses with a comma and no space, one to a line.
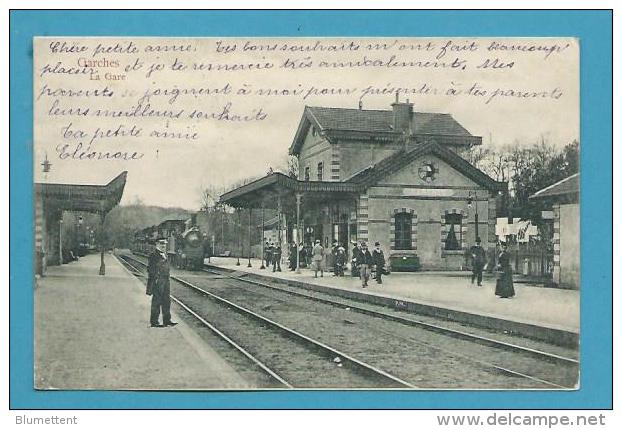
(563,198)
(392,176)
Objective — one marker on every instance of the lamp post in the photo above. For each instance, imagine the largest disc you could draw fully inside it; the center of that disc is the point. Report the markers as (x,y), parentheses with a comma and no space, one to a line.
(60,240)
(80,236)
(250,216)
(473,196)
(239,210)
(263,257)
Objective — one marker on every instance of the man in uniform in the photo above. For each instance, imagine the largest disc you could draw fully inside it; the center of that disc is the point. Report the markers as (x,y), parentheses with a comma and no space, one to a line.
(276,257)
(478,258)
(378,259)
(364,262)
(159,286)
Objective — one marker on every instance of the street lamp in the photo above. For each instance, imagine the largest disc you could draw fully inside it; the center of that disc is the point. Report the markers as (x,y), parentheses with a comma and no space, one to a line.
(473,196)
(60,241)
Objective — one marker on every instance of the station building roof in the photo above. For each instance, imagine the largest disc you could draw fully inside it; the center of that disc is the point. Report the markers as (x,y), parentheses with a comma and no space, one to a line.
(565,190)
(264,192)
(337,123)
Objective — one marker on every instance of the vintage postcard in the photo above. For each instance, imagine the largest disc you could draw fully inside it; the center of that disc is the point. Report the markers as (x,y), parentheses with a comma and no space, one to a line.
(306,213)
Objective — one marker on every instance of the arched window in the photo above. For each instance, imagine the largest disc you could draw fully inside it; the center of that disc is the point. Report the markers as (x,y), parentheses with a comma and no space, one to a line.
(403,231)
(320,170)
(453,241)
(307,174)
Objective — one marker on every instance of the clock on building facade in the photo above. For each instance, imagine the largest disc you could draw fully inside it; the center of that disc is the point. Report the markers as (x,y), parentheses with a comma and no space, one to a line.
(428,171)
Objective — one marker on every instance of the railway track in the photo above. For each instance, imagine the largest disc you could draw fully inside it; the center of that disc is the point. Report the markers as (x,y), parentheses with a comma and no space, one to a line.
(455,333)
(324,367)
(531,373)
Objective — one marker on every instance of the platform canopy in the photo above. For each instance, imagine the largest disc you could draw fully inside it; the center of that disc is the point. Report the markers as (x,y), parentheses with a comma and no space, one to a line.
(267,191)
(84,198)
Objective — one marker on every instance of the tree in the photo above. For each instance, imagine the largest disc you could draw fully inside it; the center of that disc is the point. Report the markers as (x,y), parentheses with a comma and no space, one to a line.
(292,167)
(209,199)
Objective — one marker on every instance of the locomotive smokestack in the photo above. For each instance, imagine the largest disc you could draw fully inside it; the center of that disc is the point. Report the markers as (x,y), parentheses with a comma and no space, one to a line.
(193,219)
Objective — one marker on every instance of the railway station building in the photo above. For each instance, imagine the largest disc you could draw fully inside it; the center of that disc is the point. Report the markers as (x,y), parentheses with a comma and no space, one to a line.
(397,177)
(52,199)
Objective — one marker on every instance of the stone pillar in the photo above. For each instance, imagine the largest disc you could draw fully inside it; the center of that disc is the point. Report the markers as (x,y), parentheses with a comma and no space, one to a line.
(53,237)
(492,238)
(334,164)
(556,246)
(40,236)
(362,217)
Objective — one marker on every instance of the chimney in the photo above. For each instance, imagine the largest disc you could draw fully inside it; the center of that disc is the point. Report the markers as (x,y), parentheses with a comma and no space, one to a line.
(402,115)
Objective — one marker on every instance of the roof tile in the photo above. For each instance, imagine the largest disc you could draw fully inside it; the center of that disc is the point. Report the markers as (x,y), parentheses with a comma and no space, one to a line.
(334,118)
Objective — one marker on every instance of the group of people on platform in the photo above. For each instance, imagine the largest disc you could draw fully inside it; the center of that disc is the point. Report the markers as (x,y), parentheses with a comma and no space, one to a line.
(364,263)
(505,285)
(272,255)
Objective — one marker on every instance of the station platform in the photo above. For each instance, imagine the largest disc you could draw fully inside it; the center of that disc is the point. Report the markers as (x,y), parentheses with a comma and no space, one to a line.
(536,312)
(92,332)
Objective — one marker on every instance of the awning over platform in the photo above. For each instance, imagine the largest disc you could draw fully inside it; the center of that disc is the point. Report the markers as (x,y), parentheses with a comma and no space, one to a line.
(267,191)
(85,198)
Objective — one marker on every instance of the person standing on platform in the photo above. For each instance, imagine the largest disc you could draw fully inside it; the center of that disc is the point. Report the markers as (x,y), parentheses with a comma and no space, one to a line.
(356,252)
(159,286)
(333,254)
(505,284)
(267,253)
(318,258)
(340,261)
(378,260)
(364,262)
(276,257)
(478,260)
(293,254)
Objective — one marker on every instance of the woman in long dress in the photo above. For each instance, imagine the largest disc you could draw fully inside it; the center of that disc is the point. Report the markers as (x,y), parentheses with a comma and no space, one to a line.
(505,285)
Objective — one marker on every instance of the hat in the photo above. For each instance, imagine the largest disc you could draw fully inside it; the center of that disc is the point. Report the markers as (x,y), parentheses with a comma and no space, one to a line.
(162,241)
(377,244)
(478,240)
(317,241)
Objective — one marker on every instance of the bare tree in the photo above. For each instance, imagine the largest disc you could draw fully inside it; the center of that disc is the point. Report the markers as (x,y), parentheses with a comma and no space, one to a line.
(292,167)
(477,155)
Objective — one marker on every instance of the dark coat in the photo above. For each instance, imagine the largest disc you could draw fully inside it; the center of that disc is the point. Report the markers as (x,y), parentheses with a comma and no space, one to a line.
(378,257)
(505,284)
(158,280)
(478,254)
(276,253)
(356,252)
(365,258)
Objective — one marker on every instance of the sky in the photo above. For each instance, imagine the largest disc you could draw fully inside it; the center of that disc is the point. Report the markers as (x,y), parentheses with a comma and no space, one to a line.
(531,91)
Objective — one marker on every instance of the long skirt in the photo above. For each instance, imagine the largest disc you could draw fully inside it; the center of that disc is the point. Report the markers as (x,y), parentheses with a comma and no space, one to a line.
(505,285)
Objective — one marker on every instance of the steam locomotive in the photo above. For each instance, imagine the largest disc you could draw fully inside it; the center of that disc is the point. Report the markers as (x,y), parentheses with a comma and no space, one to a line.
(186,246)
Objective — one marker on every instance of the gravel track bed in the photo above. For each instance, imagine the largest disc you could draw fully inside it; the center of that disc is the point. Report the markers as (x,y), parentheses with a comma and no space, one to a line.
(295,362)
(424,358)
(292,360)
(571,353)
(243,366)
